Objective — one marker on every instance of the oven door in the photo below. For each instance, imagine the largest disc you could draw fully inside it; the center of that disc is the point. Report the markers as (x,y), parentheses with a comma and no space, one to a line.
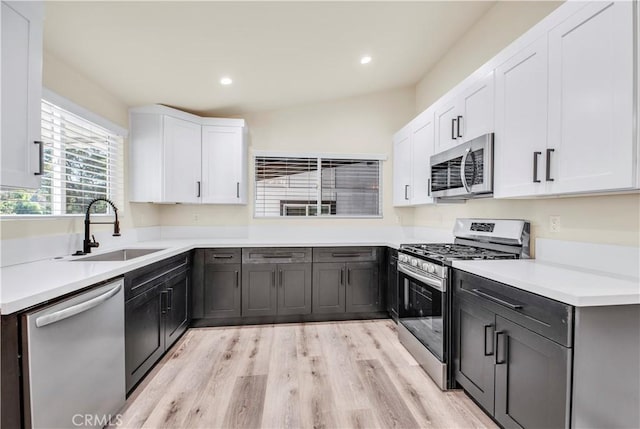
(422,307)
(465,170)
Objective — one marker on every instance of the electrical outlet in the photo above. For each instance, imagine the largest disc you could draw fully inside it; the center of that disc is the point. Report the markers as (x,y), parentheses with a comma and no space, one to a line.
(554,223)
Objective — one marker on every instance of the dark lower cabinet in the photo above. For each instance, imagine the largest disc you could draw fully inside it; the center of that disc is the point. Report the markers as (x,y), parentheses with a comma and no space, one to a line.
(475,369)
(351,287)
(512,352)
(157,313)
(276,289)
(221,291)
(259,293)
(532,379)
(362,287)
(177,307)
(328,287)
(144,333)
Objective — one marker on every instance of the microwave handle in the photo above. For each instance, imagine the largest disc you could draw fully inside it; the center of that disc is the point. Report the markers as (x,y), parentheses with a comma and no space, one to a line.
(463,165)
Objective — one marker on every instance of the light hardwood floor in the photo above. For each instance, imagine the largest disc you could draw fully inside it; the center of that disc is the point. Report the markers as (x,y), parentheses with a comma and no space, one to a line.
(311,375)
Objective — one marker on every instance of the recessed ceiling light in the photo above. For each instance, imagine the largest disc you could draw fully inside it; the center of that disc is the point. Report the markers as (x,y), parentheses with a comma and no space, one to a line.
(365,60)
(226,81)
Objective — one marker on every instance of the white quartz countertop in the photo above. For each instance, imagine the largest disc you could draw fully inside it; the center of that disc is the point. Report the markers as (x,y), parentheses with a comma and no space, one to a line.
(568,284)
(30,284)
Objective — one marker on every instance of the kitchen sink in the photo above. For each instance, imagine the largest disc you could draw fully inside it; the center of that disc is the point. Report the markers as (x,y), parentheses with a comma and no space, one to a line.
(118,255)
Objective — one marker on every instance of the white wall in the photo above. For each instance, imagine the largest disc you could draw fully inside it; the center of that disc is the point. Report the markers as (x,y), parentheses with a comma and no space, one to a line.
(362,124)
(605,219)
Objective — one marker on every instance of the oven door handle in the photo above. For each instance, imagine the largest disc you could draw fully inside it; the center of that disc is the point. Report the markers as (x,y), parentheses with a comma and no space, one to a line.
(437,284)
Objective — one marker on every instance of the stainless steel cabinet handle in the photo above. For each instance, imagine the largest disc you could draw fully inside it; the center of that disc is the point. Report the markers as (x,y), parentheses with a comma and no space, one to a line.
(463,166)
(497,341)
(341,276)
(280,278)
(549,151)
(511,305)
(169,298)
(428,187)
(65,313)
(458,126)
(199,188)
(237,189)
(345,255)
(348,276)
(535,166)
(486,353)
(453,129)
(406,188)
(237,279)
(222,256)
(40,171)
(163,302)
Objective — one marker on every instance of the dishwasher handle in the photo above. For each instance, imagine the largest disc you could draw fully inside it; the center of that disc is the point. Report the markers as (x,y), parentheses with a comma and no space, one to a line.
(65,313)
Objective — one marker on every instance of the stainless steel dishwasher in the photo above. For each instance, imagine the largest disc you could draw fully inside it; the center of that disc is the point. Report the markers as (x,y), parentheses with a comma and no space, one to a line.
(76,360)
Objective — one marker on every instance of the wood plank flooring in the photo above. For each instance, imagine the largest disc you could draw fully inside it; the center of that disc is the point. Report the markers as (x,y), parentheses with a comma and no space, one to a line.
(309,375)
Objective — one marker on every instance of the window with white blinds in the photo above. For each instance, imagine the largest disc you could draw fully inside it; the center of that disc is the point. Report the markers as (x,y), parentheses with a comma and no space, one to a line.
(82,161)
(317,186)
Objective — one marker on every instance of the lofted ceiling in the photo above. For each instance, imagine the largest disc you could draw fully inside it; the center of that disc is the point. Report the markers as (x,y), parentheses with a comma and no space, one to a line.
(277,53)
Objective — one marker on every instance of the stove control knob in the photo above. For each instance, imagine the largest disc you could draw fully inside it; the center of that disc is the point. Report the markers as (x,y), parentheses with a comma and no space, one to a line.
(403,258)
(431,269)
(424,266)
(414,262)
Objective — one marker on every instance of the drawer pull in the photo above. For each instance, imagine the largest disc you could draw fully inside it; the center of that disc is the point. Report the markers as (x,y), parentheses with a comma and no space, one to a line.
(347,255)
(486,353)
(490,297)
(273,256)
(222,256)
(497,341)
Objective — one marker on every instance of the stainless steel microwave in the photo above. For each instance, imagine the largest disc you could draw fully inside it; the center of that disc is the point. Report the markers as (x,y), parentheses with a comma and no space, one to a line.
(464,171)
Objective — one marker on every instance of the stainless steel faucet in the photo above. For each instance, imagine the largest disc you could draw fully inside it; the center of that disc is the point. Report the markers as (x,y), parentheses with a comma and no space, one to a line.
(90,240)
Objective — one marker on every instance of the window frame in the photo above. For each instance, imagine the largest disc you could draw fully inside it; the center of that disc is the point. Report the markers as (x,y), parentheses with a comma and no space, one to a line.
(75,109)
(320,156)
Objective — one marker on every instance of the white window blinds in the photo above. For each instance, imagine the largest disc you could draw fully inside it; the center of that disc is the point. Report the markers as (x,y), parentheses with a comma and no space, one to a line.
(82,161)
(316,186)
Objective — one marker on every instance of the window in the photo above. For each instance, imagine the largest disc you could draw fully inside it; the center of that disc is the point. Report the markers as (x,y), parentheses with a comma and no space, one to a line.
(306,186)
(82,161)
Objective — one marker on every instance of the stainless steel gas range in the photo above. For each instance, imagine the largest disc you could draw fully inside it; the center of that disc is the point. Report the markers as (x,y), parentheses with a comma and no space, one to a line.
(425,301)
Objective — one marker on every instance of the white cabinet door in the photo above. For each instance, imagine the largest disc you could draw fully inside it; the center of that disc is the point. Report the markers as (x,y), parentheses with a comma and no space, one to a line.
(521,122)
(21,94)
(223,156)
(446,122)
(402,167)
(182,153)
(422,141)
(476,110)
(591,100)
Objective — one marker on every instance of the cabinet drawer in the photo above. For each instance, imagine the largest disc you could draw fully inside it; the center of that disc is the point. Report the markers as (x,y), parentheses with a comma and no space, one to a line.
(276,255)
(346,254)
(142,279)
(222,256)
(547,317)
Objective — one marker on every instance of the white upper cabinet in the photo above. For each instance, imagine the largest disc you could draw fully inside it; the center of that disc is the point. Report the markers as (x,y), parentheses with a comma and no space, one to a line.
(21,94)
(412,149)
(591,92)
(176,157)
(224,165)
(402,167)
(182,152)
(521,122)
(564,108)
(422,143)
(466,114)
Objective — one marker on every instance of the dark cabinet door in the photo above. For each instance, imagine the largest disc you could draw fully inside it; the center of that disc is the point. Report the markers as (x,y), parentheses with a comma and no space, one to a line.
(221,290)
(144,332)
(474,350)
(392,287)
(177,307)
(532,379)
(362,287)
(259,294)
(329,287)
(294,291)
